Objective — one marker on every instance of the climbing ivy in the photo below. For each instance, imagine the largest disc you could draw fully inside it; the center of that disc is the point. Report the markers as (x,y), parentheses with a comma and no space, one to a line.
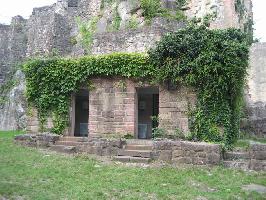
(240,8)
(7,86)
(214,62)
(50,82)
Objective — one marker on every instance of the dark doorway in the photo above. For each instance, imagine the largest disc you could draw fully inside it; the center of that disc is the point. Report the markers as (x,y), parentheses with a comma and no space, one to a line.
(81,113)
(148,110)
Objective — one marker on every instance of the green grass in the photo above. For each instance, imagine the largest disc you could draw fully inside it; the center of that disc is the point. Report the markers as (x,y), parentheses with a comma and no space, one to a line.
(35,174)
(246,140)
(245,144)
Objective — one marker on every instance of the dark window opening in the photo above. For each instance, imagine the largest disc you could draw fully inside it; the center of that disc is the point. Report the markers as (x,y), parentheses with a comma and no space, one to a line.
(81,113)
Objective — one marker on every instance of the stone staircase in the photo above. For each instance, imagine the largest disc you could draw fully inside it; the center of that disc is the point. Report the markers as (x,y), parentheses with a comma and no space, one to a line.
(68,144)
(135,151)
(239,158)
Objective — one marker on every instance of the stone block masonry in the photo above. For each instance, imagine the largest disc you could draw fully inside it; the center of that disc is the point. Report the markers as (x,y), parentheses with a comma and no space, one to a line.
(37,140)
(174,105)
(175,152)
(112,106)
(184,152)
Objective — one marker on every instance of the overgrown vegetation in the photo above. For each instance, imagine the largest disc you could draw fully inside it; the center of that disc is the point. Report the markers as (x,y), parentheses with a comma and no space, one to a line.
(240,8)
(86,32)
(31,174)
(7,86)
(50,82)
(214,62)
(244,18)
(132,23)
(115,26)
(153,8)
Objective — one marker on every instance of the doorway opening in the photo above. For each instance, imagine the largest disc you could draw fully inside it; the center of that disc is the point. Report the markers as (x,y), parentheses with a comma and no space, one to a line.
(148,111)
(81,113)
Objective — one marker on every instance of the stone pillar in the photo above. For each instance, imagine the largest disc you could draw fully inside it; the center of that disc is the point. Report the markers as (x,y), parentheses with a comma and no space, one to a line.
(112,107)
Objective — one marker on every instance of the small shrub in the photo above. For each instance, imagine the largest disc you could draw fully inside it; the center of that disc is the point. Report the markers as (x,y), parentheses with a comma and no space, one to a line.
(158,133)
(179,134)
(128,136)
(181,3)
(180,16)
(73,40)
(132,23)
(151,8)
(86,32)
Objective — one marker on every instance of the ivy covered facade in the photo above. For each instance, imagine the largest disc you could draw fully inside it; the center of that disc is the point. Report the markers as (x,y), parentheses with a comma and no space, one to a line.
(183,88)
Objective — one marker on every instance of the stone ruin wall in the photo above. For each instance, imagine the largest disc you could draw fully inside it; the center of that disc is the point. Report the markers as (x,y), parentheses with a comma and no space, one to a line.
(172,152)
(256,92)
(50,29)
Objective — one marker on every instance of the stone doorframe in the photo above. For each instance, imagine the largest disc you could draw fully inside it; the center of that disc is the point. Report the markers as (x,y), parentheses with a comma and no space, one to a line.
(153,90)
(72,113)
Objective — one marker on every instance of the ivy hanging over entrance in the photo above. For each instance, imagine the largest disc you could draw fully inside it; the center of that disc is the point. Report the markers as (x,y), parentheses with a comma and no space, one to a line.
(214,62)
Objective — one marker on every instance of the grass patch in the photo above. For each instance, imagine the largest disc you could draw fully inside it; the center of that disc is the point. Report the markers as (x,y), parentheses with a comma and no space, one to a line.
(246,140)
(242,144)
(34,174)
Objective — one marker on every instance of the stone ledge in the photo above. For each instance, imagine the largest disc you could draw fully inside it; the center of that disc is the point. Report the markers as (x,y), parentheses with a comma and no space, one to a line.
(186,152)
(37,140)
(171,151)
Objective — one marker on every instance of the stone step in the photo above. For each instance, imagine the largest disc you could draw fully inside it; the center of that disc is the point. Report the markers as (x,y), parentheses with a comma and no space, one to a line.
(135,153)
(244,165)
(239,149)
(138,147)
(74,139)
(63,149)
(129,159)
(236,155)
(139,142)
(69,143)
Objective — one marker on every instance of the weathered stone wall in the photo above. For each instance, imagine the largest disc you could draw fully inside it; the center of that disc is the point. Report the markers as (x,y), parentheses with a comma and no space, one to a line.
(174,106)
(139,40)
(33,123)
(225,11)
(184,152)
(112,106)
(37,140)
(4,31)
(12,112)
(255,123)
(13,43)
(101,146)
(175,152)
